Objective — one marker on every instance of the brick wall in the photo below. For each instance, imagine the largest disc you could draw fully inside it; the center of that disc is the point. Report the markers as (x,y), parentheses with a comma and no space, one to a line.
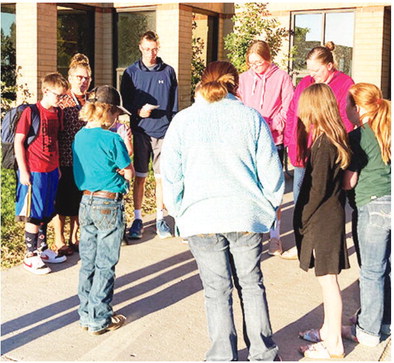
(36,46)
(103,48)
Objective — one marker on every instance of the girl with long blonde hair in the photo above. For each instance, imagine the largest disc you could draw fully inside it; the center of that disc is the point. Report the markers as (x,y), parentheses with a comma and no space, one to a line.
(319,215)
(370,175)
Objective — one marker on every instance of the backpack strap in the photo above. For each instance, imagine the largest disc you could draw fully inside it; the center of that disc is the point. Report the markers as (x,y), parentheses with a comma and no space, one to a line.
(35,124)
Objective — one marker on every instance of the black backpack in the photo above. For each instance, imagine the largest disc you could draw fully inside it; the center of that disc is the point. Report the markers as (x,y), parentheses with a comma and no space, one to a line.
(8,128)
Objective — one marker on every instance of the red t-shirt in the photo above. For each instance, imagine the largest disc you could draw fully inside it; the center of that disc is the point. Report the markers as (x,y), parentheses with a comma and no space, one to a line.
(42,155)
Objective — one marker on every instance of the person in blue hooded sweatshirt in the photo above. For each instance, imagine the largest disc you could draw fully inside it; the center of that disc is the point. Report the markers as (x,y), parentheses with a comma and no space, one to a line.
(149,91)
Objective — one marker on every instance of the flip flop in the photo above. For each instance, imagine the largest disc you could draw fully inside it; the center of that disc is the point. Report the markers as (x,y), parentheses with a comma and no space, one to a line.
(311,335)
(65,251)
(318,351)
(347,333)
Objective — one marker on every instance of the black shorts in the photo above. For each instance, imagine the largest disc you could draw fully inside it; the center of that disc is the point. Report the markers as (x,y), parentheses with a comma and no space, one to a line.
(145,149)
(68,195)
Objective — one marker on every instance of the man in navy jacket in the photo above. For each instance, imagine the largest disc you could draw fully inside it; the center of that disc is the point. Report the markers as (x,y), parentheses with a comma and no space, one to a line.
(150,93)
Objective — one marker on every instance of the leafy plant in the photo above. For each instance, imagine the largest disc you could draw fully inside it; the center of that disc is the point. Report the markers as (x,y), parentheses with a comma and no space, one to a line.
(253,21)
(198,64)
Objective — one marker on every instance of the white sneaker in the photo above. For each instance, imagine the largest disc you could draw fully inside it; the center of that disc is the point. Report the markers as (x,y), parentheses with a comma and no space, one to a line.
(50,256)
(275,247)
(35,265)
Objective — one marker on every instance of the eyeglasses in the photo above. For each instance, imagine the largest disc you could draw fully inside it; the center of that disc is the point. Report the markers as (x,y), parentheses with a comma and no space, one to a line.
(81,78)
(150,50)
(256,64)
(59,97)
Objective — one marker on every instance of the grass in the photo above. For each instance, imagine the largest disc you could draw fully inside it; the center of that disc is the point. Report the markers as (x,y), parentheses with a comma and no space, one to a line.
(12,233)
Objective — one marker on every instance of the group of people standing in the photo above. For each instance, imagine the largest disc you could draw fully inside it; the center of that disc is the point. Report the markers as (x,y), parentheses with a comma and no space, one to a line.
(218,167)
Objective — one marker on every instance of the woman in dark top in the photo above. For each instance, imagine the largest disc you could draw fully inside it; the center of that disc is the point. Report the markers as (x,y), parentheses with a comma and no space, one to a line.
(319,216)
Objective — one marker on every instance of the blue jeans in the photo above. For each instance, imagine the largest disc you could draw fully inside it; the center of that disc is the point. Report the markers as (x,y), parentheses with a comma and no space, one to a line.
(102,225)
(212,253)
(374,234)
(299,173)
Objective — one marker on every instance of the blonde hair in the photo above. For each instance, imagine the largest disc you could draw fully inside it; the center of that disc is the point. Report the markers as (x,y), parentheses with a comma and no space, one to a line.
(318,106)
(54,79)
(218,79)
(97,111)
(370,97)
(79,60)
(324,54)
(260,48)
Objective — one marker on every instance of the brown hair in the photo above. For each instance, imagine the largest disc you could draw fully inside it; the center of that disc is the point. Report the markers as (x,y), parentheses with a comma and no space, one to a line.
(79,60)
(318,106)
(54,79)
(218,79)
(260,48)
(369,97)
(323,54)
(149,35)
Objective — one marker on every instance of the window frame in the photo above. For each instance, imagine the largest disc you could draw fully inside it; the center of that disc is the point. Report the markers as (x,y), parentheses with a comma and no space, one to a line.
(301,73)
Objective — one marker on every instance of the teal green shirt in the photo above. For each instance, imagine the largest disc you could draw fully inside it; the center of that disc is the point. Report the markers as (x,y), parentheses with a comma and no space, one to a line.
(97,155)
(374,178)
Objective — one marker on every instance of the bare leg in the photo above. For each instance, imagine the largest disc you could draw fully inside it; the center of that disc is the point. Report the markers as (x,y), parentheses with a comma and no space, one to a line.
(138,191)
(74,227)
(332,300)
(159,193)
(58,226)
(31,228)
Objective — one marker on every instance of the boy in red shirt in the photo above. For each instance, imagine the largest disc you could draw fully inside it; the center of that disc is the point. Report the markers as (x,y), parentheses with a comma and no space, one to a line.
(38,173)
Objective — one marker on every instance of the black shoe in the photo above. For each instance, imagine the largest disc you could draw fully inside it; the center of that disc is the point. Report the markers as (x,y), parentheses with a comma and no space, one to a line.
(136,229)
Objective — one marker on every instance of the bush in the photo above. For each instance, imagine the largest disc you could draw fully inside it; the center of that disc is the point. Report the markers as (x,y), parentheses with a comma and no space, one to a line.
(253,22)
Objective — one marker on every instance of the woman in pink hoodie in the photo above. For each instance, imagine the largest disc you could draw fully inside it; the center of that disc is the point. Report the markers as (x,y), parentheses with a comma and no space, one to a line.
(321,68)
(269,90)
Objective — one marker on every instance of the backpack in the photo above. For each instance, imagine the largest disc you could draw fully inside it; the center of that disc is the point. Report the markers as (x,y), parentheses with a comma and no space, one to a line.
(8,128)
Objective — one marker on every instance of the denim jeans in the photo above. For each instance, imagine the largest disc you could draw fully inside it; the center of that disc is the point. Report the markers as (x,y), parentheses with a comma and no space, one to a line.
(101,222)
(374,234)
(299,173)
(212,253)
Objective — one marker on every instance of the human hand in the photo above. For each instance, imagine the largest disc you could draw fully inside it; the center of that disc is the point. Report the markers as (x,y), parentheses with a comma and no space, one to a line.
(144,113)
(24,177)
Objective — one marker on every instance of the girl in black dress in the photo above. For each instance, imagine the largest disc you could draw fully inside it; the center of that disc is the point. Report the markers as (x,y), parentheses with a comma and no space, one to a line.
(319,216)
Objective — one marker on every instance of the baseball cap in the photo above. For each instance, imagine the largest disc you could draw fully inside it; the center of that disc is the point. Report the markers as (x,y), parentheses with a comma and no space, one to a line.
(109,95)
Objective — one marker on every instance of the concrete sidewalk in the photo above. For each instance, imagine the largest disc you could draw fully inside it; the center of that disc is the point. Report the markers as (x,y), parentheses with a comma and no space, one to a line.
(159,291)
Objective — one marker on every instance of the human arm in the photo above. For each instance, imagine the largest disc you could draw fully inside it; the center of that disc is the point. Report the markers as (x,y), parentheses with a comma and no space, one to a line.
(287,92)
(171,170)
(174,93)
(322,162)
(20,155)
(349,180)
(127,91)
(268,166)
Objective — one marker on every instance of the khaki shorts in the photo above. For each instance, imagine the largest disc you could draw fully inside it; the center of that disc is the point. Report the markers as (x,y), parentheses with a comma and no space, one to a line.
(145,149)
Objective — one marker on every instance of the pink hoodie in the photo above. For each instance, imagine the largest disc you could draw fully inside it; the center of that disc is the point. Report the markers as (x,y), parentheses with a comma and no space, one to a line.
(270,94)
(340,84)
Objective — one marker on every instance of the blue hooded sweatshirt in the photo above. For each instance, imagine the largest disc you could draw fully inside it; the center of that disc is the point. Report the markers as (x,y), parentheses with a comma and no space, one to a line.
(157,86)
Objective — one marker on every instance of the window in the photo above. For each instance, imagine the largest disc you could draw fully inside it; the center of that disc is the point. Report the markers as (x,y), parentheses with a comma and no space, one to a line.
(8,47)
(129,28)
(75,34)
(317,28)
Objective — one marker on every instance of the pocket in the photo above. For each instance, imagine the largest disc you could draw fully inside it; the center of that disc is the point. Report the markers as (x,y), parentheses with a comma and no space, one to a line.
(380,219)
(83,215)
(106,217)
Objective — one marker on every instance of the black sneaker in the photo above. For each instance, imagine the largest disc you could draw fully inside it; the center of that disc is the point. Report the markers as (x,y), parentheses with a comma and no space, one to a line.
(136,229)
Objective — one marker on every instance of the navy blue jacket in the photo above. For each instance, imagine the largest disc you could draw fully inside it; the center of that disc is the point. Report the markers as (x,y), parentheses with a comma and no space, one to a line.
(157,87)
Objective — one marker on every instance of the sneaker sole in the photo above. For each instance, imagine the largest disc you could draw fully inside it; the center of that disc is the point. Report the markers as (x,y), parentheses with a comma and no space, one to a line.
(277,253)
(43,271)
(107,329)
(59,260)
(165,236)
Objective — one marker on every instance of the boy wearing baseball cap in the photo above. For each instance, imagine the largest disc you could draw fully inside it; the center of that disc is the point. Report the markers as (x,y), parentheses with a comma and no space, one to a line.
(102,169)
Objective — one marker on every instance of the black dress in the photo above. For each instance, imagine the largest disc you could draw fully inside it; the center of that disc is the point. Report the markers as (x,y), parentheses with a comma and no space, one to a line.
(319,215)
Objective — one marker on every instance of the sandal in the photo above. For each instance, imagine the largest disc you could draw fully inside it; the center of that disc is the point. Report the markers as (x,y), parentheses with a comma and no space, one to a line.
(65,251)
(311,335)
(74,246)
(347,333)
(318,351)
